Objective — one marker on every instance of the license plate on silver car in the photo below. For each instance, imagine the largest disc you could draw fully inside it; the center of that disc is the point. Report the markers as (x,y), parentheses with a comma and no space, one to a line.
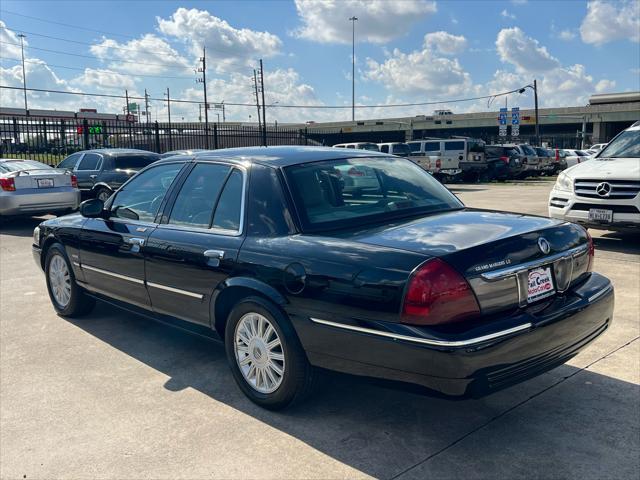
(45,182)
(600,215)
(540,284)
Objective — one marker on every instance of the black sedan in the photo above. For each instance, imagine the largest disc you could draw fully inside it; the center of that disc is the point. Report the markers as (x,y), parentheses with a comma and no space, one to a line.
(279,253)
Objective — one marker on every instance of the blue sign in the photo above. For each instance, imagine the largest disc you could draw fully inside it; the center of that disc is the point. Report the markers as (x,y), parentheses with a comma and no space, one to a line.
(515,116)
(502,119)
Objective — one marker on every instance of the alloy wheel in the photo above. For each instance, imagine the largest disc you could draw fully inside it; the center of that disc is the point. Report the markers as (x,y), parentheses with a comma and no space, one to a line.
(60,280)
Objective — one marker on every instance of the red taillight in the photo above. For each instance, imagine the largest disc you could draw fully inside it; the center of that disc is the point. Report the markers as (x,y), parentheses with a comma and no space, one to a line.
(505,160)
(74,181)
(8,184)
(354,172)
(437,294)
(557,155)
(592,252)
(438,163)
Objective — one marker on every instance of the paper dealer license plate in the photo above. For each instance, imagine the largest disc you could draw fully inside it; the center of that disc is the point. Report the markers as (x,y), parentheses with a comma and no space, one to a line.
(45,182)
(540,284)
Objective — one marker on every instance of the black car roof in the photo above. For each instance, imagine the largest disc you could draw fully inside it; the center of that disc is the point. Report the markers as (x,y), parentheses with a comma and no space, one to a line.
(118,151)
(283,156)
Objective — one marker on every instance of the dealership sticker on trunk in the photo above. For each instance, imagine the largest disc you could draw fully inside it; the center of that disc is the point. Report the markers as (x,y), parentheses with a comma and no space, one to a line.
(540,284)
(45,182)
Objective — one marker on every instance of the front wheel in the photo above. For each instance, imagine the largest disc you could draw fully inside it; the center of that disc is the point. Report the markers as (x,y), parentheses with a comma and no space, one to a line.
(265,355)
(67,297)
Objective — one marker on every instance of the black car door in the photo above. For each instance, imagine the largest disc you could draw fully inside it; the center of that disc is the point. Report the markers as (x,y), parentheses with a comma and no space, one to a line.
(111,249)
(197,244)
(88,169)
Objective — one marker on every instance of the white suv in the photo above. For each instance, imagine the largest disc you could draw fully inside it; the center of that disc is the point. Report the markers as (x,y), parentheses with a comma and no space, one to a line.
(604,192)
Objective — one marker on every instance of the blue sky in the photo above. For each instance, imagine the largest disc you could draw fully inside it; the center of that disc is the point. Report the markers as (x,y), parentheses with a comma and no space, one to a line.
(407,51)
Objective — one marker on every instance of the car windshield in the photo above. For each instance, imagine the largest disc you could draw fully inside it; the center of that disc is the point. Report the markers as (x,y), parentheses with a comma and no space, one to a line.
(625,145)
(401,149)
(21,165)
(134,162)
(343,193)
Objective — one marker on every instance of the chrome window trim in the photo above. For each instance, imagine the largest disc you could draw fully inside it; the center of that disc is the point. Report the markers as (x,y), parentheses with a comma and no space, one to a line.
(426,341)
(112,274)
(514,270)
(175,290)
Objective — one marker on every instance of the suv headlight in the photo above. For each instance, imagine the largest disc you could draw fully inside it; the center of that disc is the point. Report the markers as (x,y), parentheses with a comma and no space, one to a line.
(564,183)
(36,236)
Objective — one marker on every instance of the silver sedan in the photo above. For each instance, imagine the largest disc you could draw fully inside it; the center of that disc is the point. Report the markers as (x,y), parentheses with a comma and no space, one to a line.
(28,187)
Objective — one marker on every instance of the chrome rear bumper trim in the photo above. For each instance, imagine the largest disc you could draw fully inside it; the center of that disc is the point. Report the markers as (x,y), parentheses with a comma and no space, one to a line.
(426,341)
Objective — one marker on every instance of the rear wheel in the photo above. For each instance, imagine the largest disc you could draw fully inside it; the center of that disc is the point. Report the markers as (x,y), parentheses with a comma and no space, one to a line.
(103,194)
(67,297)
(265,355)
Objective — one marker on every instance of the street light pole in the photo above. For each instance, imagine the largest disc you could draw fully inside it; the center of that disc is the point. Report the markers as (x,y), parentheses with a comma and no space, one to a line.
(353,67)
(535,96)
(24,75)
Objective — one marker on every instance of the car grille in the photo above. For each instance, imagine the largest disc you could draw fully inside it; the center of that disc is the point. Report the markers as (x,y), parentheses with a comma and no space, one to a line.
(614,208)
(619,189)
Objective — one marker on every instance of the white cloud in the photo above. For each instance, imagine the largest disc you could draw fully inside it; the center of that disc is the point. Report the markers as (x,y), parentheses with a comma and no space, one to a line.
(524,52)
(606,22)
(445,43)
(567,35)
(327,21)
(605,86)
(104,80)
(506,14)
(225,44)
(149,54)
(9,37)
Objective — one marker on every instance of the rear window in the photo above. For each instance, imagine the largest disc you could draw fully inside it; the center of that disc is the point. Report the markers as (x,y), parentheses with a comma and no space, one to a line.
(476,146)
(134,162)
(528,150)
(495,151)
(401,149)
(414,147)
(343,193)
(21,165)
(542,152)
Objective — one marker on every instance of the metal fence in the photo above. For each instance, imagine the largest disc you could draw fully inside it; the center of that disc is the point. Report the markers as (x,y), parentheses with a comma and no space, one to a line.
(51,139)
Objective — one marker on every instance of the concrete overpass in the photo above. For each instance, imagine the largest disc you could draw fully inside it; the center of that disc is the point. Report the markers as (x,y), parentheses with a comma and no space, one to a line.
(602,119)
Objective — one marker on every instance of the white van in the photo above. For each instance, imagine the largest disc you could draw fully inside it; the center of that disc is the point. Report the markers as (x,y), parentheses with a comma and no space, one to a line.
(395,148)
(452,153)
(358,146)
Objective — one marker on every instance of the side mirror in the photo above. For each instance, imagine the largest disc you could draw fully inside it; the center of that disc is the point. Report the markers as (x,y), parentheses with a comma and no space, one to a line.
(92,208)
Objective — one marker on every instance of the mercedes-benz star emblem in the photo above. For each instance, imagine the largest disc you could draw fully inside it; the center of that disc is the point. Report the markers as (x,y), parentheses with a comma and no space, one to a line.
(603,189)
(543,243)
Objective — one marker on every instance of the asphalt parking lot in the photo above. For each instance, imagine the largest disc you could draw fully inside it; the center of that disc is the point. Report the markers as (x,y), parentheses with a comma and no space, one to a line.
(113,395)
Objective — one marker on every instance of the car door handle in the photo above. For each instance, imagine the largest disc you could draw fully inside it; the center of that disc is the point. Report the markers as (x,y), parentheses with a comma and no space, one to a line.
(219,254)
(93,177)
(136,241)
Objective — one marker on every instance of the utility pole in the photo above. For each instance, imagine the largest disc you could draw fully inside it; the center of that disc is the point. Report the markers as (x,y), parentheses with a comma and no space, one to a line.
(255,85)
(146,105)
(353,67)
(24,75)
(535,96)
(169,106)
(126,96)
(224,118)
(264,111)
(203,80)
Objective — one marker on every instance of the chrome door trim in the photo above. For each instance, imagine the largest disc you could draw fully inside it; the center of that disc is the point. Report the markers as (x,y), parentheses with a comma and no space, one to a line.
(175,290)
(112,274)
(426,341)
(514,270)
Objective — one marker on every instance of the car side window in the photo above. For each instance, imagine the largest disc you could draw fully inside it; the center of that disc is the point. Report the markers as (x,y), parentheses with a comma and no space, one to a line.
(229,208)
(432,146)
(141,197)
(90,161)
(454,145)
(70,161)
(384,148)
(197,198)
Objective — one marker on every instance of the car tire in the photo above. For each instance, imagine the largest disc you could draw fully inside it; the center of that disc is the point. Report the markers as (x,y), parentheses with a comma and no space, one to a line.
(102,193)
(244,345)
(68,299)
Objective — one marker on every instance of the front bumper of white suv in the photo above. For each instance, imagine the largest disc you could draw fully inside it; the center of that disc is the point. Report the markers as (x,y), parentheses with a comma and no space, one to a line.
(589,200)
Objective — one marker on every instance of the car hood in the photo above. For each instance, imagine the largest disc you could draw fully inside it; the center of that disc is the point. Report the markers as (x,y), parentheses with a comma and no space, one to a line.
(603,168)
(453,231)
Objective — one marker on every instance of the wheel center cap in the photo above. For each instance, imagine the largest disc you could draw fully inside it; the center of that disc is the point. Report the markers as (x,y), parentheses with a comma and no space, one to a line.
(258,351)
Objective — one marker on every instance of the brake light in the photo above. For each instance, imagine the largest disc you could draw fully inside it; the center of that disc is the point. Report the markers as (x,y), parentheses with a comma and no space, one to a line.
(592,252)
(557,155)
(74,181)
(354,172)
(437,294)
(8,184)
(505,160)
(438,163)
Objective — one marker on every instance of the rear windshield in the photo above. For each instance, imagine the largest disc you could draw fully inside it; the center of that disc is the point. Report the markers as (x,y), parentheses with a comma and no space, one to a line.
(528,150)
(625,145)
(542,152)
(134,162)
(21,165)
(476,146)
(344,193)
(401,149)
(368,146)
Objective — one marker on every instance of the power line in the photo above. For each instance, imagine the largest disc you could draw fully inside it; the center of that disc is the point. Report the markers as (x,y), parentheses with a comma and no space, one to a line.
(129,74)
(93,57)
(458,100)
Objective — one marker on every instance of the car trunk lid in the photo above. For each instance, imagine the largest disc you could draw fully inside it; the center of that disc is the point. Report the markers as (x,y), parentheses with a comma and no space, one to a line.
(42,179)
